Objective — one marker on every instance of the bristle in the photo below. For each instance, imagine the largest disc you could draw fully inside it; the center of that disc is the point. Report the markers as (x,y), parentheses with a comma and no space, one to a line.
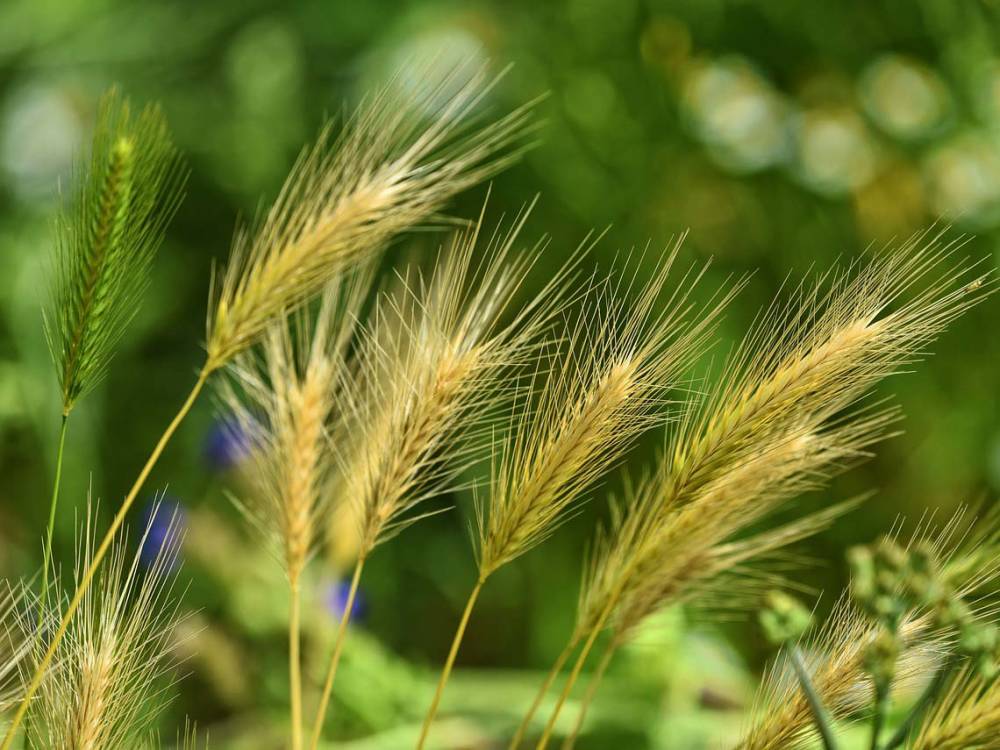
(122,199)
(429,379)
(285,402)
(346,197)
(105,689)
(779,423)
(606,390)
(966,716)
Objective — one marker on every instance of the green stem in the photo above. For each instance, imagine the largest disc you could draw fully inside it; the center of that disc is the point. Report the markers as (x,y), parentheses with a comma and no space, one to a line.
(588,698)
(542,692)
(820,718)
(450,663)
(47,554)
(882,688)
(925,700)
(95,563)
(571,680)
(338,647)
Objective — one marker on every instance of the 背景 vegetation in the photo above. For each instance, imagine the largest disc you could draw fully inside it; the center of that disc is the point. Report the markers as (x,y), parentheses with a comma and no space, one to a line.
(361,397)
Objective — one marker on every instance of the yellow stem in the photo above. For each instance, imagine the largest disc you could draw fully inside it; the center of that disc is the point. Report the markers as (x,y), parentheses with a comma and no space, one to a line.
(295,664)
(574,675)
(338,646)
(588,698)
(542,692)
(99,555)
(446,671)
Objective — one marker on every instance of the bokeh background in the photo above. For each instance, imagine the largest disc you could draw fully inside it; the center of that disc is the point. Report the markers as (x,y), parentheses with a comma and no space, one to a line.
(783,135)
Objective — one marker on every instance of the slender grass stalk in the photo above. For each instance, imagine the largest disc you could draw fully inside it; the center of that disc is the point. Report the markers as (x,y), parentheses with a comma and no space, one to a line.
(574,675)
(456,641)
(588,698)
(94,563)
(295,664)
(554,672)
(880,711)
(338,646)
(47,555)
(819,714)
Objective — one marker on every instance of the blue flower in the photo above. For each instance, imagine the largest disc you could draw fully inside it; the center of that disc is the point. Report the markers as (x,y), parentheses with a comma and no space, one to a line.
(228,443)
(163,522)
(335,595)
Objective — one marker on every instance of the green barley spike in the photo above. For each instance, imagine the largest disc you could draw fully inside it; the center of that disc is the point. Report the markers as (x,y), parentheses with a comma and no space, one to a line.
(108,234)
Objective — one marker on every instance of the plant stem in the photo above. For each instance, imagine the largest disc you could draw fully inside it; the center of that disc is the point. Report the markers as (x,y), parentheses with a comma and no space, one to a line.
(925,699)
(295,663)
(338,646)
(882,688)
(98,558)
(542,692)
(573,676)
(588,698)
(812,697)
(446,671)
(47,554)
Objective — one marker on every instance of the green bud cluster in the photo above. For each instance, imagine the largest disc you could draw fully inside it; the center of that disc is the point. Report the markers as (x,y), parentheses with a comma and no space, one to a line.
(888,581)
(783,618)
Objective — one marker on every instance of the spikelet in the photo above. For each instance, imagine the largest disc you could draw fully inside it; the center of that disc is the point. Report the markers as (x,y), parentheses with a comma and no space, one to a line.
(966,717)
(428,380)
(107,685)
(122,200)
(779,423)
(607,389)
(284,401)
(347,196)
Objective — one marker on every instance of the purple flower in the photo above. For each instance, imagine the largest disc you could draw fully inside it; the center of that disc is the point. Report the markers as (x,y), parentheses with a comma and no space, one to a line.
(163,522)
(229,442)
(335,595)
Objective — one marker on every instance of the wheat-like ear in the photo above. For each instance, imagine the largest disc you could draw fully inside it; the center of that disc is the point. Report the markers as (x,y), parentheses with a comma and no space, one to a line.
(106,687)
(388,170)
(429,377)
(122,199)
(966,717)
(284,398)
(608,387)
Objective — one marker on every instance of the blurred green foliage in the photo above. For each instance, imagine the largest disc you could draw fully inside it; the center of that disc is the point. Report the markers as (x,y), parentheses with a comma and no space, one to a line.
(781,134)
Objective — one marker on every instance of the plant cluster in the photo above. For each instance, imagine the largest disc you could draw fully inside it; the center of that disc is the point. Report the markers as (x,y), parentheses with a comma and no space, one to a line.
(362,401)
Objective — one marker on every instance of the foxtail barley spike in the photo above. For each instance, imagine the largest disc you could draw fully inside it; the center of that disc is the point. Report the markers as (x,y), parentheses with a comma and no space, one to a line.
(346,197)
(105,689)
(108,235)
